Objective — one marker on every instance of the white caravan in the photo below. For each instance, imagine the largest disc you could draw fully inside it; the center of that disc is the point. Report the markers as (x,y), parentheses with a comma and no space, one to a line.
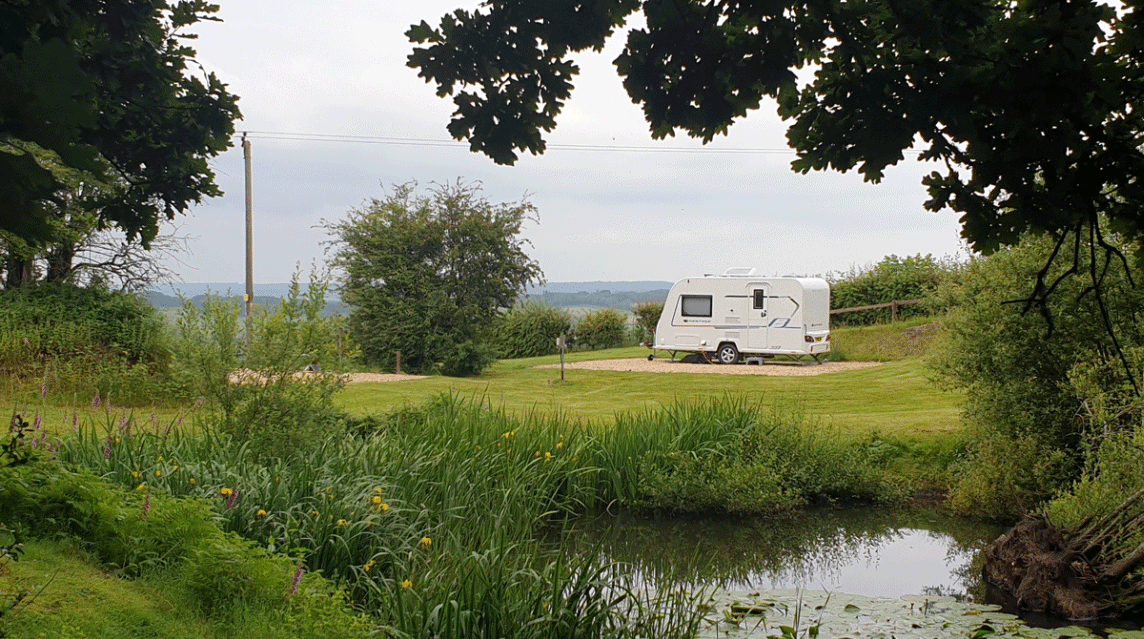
(737,315)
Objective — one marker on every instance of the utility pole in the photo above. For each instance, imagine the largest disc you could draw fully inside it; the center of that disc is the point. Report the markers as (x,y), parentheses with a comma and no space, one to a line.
(249,242)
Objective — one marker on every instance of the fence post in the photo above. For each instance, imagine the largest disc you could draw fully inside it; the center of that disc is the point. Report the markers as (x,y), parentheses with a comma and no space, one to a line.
(398,362)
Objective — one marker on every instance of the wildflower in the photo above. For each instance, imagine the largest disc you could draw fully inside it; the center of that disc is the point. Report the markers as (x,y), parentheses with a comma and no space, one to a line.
(314,514)
(547,456)
(38,423)
(160,458)
(384,507)
(134,474)
(297,579)
(198,404)
(95,400)
(107,449)
(226,492)
(75,421)
(377,489)
(158,473)
(406,585)
(27,343)
(478,447)
(142,486)
(342,522)
(377,500)
(175,469)
(538,453)
(367,567)
(44,388)
(232,499)
(146,507)
(426,542)
(559,445)
(192,481)
(508,435)
(261,513)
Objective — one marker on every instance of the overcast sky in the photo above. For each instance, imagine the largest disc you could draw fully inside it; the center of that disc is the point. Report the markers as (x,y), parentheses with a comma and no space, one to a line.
(671,209)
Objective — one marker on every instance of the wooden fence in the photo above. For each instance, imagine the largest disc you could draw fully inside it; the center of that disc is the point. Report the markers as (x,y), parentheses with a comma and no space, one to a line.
(890,305)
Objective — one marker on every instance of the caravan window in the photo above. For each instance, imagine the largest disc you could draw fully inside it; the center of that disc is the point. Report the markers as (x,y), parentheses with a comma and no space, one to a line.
(760,298)
(695,306)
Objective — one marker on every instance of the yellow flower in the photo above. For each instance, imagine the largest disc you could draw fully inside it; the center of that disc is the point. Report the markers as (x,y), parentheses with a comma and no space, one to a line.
(384,507)
(158,473)
(548,455)
(406,585)
(538,453)
(142,486)
(261,513)
(559,445)
(135,474)
(507,435)
(377,500)
(377,489)
(426,542)
(277,480)
(160,458)
(314,513)
(175,469)
(226,492)
(368,566)
(192,481)
(342,522)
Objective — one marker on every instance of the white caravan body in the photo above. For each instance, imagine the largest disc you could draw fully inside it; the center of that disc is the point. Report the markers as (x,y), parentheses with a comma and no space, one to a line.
(737,314)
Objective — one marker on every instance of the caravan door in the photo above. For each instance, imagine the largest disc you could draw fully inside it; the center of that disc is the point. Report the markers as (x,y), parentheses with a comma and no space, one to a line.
(757,321)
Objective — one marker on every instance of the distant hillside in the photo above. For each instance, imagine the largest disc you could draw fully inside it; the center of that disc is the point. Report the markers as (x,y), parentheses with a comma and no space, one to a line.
(619,295)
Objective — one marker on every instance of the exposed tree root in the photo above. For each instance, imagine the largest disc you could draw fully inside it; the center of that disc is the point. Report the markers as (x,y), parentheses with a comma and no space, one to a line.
(1085,574)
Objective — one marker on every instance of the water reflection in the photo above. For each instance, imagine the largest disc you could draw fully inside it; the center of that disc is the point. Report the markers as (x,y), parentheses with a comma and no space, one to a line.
(864,551)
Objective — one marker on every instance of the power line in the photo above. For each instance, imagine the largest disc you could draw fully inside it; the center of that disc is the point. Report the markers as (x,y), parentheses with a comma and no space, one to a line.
(397,141)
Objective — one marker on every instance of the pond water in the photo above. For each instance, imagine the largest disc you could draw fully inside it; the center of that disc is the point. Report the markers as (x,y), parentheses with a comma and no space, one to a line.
(870,551)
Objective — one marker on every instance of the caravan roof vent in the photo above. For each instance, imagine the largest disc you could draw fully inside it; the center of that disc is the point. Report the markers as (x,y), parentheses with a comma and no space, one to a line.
(739,271)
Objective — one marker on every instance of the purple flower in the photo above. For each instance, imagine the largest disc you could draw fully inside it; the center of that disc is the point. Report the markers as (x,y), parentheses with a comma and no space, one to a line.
(198,405)
(75,421)
(233,499)
(297,579)
(26,342)
(146,506)
(44,388)
(155,423)
(95,400)
(107,448)
(39,423)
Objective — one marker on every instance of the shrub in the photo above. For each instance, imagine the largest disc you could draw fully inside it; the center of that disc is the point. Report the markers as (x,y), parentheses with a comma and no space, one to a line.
(256,390)
(647,316)
(78,340)
(604,328)
(894,278)
(531,329)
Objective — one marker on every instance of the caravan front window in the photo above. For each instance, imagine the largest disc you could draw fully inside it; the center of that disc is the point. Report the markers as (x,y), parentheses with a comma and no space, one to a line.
(695,306)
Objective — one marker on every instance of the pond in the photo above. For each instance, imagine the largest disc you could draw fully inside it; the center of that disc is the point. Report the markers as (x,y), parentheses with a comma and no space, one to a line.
(872,571)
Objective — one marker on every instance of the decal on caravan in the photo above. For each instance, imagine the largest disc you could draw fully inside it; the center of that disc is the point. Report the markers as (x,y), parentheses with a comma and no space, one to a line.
(738,315)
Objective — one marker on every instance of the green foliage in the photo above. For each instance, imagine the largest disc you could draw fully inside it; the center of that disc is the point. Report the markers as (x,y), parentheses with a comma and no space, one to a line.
(1030,393)
(71,340)
(531,329)
(647,316)
(891,74)
(107,86)
(427,275)
(893,279)
(258,389)
(148,534)
(603,328)
(1006,476)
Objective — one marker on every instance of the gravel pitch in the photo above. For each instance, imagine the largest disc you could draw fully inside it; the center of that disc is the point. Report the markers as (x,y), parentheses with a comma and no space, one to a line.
(659,365)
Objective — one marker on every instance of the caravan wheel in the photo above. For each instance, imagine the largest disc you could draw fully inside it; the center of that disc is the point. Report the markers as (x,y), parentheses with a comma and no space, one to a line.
(728,354)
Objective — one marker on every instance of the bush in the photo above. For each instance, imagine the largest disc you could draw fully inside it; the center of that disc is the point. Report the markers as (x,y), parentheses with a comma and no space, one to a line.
(604,328)
(80,340)
(531,329)
(647,316)
(894,278)
(257,391)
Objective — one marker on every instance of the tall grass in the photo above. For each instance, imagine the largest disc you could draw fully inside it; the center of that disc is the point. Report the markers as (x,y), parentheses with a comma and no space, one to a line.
(421,516)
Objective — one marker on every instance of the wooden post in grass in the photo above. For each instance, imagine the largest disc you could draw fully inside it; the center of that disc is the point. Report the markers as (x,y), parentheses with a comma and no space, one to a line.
(561,345)
(398,362)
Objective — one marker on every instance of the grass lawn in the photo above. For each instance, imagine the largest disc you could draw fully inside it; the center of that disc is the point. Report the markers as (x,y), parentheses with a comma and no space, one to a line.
(893,398)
